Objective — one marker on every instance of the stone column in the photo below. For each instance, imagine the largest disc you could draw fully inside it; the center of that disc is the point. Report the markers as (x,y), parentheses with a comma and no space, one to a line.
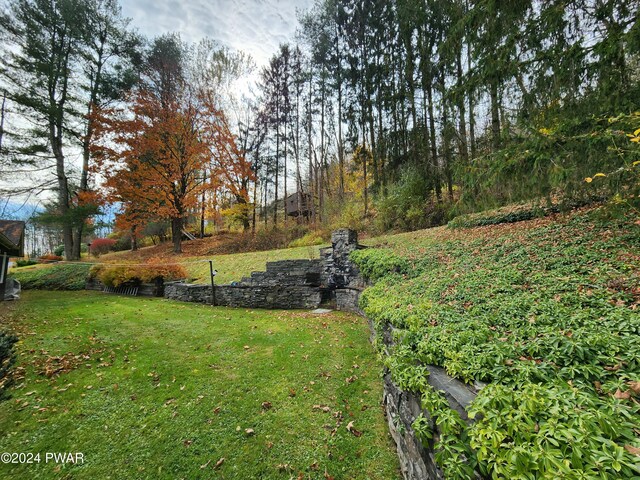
(343,272)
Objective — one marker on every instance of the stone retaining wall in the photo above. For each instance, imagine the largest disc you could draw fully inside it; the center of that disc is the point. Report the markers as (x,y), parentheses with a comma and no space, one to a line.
(268,296)
(417,461)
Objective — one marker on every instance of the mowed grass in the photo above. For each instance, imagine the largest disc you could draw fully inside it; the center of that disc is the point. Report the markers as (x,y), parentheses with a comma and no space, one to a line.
(150,388)
(233,267)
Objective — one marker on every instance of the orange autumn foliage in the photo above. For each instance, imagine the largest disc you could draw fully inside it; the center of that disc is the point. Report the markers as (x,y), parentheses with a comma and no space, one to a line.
(152,156)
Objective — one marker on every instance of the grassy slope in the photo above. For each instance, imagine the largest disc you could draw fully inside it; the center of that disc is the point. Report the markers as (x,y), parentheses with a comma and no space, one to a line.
(231,267)
(548,313)
(147,376)
(52,277)
(235,266)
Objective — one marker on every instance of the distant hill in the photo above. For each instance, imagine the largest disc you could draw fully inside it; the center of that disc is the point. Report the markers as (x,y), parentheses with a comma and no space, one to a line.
(14,210)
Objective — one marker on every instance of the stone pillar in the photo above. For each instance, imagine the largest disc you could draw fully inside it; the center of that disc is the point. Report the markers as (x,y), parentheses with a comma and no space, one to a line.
(343,271)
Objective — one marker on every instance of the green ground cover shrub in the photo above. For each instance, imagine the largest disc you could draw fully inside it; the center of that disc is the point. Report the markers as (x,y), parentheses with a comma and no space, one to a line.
(495,217)
(7,359)
(521,212)
(548,315)
(376,263)
(64,276)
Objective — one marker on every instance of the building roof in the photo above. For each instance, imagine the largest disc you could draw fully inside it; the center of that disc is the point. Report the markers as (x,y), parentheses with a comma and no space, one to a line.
(12,237)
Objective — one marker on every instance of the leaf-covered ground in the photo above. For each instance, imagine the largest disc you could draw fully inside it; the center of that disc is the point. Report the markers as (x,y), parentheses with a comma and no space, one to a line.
(547,313)
(148,388)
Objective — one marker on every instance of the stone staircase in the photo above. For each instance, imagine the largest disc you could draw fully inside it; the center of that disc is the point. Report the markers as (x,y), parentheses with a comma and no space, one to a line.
(287,273)
(288,284)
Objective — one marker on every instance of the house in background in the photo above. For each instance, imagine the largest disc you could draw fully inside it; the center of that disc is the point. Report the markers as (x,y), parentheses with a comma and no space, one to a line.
(299,204)
(11,245)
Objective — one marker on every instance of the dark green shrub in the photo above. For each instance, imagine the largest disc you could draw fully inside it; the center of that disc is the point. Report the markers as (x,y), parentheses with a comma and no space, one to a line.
(25,262)
(122,243)
(7,359)
(410,204)
(495,217)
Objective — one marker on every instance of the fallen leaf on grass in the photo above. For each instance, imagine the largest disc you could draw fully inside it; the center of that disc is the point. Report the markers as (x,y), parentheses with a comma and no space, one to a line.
(620,395)
(324,408)
(266,405)
(351,428)
(249,432)
(634,386)
(292,392)
(632,450)
(218,463)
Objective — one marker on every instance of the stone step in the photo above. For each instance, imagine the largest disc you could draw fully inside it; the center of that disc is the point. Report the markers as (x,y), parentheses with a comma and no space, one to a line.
(283,278)
(301,265)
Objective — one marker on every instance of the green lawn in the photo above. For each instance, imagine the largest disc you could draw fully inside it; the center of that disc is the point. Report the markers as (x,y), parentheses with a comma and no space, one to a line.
(235,266)
(148,388)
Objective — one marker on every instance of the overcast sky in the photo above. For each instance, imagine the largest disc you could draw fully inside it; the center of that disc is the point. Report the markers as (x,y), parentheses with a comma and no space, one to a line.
(256,27)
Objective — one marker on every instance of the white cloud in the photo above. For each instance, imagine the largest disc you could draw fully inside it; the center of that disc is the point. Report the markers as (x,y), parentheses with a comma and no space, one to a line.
(256,27)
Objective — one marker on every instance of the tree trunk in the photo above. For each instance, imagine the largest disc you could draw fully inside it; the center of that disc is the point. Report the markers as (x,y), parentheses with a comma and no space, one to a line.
(464,148)
(134,240)
(434,148)
(55,133)
(495,113)
(176,234)
(310,149)
(2,114)
(275,203)
(203,205)
(77,241)
(284,195)
(255,205)
(245,218)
